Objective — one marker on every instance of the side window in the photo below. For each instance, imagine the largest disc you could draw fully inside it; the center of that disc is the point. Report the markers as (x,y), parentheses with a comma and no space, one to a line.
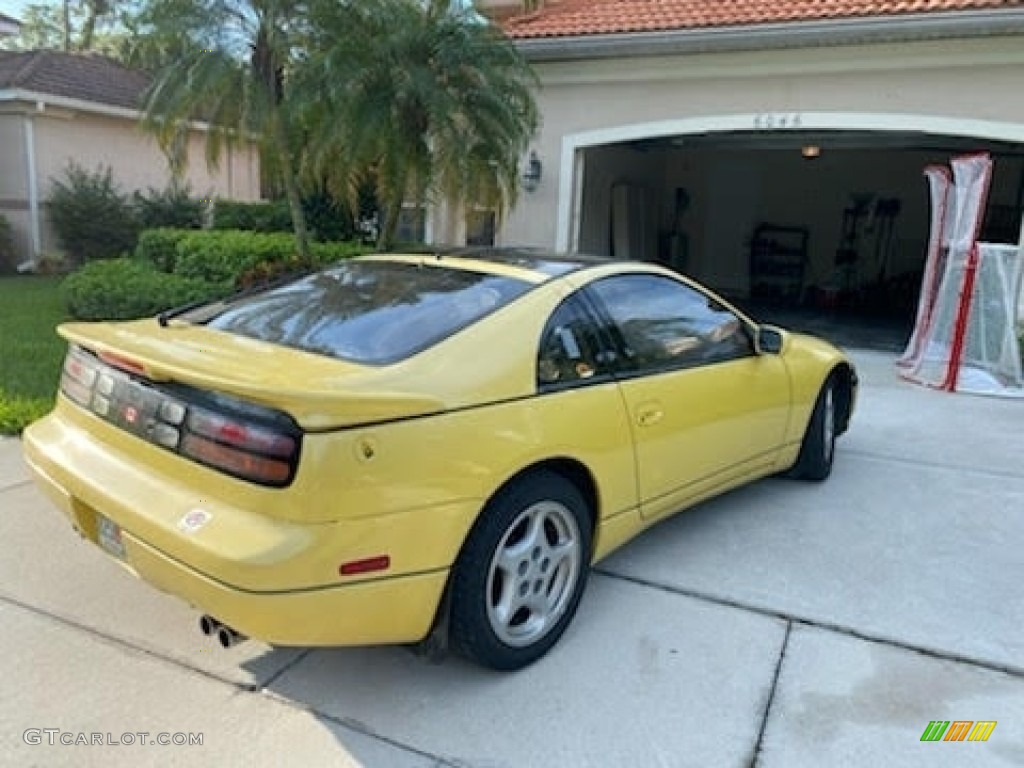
(570,348)
(663,323)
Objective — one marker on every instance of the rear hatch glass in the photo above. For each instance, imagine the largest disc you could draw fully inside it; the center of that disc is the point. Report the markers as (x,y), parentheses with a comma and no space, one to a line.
(370,312)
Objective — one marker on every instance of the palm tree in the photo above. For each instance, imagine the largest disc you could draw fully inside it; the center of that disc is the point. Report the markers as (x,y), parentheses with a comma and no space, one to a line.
(230,69)
(422,99)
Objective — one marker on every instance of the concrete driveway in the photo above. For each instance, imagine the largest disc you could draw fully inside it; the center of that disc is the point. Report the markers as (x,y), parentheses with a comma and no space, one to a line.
(784,625)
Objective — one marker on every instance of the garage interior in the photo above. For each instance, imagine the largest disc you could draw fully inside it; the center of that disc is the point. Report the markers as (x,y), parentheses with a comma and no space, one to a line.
(820,231)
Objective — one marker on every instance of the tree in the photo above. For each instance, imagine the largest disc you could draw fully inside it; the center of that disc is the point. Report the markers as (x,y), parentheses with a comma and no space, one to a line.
(92,25)
(229,70)
(42,27)
(424,100)
(420,101)
(95,12)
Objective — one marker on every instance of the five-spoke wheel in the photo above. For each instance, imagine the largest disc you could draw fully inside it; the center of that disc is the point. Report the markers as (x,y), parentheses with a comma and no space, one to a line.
(522,571)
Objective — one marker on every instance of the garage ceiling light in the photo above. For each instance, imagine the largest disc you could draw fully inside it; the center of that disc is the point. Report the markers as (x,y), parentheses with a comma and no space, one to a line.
(811,151)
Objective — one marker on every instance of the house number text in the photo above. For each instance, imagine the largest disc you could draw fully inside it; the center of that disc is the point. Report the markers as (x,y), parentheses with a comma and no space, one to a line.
(777,121)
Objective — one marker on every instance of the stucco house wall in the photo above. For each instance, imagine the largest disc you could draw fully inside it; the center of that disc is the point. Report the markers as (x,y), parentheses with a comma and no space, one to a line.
(960,87)
(41,133)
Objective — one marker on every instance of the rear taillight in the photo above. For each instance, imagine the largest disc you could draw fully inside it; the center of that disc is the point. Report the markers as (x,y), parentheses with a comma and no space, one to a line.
(78,377)
(241,439)
(240,447)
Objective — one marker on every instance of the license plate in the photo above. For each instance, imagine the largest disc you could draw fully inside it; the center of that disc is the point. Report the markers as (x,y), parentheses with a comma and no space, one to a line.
(109,535)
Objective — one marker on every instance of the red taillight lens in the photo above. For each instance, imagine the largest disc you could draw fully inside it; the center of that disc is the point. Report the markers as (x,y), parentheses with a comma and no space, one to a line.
(78,377)
(237,462)
(247,450)
(248,437)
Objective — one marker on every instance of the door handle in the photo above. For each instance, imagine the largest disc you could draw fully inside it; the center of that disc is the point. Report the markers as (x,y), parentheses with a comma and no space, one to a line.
(649,414)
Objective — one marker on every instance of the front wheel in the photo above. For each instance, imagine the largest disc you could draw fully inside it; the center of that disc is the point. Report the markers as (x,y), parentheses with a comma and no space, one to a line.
(819,446)
(521,574)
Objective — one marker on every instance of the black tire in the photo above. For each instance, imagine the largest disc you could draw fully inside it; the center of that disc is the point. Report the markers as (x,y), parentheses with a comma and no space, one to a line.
(535,535)
(818,450)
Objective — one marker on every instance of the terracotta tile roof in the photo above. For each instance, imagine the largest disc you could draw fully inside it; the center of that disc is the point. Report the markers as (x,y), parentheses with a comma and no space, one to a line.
(75,76)
(572,18)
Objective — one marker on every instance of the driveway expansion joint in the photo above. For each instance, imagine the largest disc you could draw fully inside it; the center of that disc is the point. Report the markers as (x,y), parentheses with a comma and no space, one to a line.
(124,643)
(351,724)
(276,675)
(1010,670)
(1002,474)
(260,689)
(15,486)
(771,696)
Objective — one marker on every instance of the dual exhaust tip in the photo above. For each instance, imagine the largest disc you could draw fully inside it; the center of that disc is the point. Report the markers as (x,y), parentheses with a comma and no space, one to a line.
(226,636)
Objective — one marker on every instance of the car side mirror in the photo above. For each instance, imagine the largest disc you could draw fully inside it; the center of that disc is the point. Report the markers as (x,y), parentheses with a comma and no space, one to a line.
(769,340)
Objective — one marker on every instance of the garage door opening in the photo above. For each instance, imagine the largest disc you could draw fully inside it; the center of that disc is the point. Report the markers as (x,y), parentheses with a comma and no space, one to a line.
(823,231)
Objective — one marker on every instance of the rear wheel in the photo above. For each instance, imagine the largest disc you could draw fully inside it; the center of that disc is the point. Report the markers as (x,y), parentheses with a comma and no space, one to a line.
(818,449)
(521,573)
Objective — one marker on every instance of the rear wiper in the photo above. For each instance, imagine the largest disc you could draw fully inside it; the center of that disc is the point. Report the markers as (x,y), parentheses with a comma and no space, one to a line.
(168,314)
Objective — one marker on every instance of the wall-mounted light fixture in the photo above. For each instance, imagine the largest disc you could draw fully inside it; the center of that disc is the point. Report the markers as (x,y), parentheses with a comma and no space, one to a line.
(811,151)
(532,172)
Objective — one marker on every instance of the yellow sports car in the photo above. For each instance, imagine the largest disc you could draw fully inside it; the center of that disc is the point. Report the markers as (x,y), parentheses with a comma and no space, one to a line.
(422,448)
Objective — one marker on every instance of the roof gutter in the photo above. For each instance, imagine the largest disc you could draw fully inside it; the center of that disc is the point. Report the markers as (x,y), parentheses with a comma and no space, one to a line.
(761,37)
(41,100)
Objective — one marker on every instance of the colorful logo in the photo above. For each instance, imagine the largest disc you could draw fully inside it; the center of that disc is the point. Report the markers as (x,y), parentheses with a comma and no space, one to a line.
(958,730)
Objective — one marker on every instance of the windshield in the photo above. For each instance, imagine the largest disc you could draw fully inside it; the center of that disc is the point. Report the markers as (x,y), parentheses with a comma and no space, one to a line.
(371,312)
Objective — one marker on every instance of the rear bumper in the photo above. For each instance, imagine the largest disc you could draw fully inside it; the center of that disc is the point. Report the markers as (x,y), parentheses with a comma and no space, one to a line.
(381,611)
(275,606)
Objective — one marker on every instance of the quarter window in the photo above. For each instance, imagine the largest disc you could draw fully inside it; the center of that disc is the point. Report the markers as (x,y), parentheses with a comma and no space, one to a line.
(665,324)
(570,348)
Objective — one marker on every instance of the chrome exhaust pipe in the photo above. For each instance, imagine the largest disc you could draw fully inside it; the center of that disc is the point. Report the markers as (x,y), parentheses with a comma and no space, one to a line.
(208,625)
(229,637)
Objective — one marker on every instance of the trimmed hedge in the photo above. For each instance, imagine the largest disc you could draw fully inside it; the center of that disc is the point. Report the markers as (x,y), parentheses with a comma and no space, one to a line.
(175,266)
(255,217)
(231,257)
(127,289)
(159,247)
(222,256)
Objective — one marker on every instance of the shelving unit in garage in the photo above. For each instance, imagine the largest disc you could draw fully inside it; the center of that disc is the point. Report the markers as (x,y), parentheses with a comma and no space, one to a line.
(778,264)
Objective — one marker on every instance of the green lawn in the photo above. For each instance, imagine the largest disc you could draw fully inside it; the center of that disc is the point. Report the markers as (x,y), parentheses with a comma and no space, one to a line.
(30,350)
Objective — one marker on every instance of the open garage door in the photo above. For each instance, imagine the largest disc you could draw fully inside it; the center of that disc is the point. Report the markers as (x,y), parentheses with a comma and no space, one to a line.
(818,230)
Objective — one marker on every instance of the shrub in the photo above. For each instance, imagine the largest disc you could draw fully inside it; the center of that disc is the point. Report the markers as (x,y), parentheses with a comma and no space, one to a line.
(91,217)
(126,289)
(328,253)
(240,259)
(255,217)
(172,206)
(7,260)
(159,247)
(326,220)
(16,413)
(222,256)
